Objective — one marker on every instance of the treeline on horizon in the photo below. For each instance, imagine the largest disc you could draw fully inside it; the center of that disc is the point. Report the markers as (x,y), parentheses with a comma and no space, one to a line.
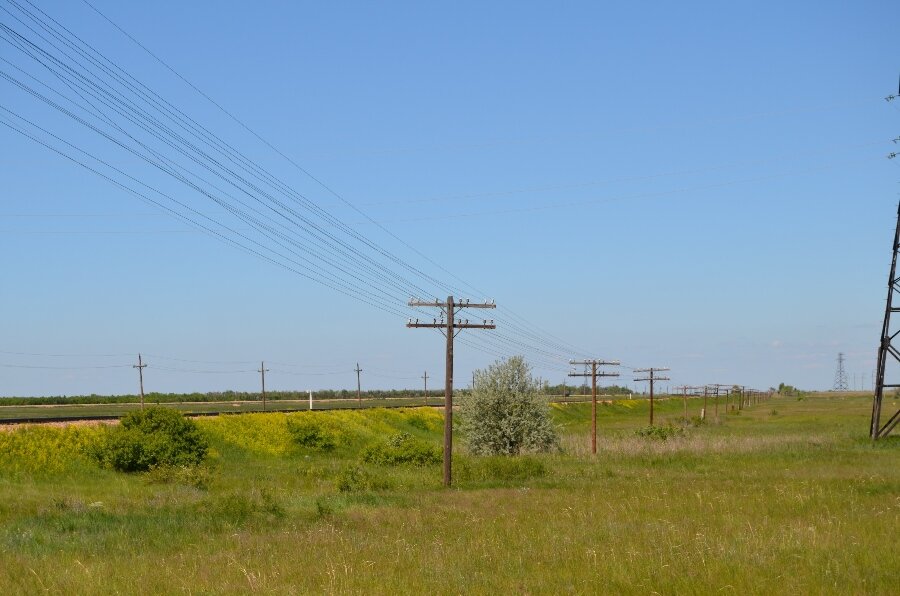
(322,394)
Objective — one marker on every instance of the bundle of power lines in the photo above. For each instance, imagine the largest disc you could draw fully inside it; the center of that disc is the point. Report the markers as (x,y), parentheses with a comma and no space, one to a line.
(93,112)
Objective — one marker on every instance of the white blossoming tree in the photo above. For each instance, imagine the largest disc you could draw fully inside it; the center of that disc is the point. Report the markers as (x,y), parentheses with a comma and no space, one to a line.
(505,414)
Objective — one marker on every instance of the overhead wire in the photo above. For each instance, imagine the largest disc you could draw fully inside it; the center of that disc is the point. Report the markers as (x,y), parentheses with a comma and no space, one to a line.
(522,343)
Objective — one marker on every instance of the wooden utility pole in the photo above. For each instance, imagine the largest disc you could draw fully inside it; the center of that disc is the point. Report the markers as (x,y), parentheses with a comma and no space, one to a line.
(262,371)
(705,400)
(741,402)
(358,391)
(450,326)
(684,390)
(652,377)
(594,374)
(140,366)
(425,377)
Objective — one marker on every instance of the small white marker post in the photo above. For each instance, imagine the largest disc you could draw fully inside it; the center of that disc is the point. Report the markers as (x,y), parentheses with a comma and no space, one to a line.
(310,399)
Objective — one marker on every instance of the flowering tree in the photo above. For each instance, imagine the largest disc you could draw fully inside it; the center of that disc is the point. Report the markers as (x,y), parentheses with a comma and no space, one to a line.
(505,414)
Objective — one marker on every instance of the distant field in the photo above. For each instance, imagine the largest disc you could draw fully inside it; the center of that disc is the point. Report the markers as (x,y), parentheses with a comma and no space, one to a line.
(82,410)
(74,410)
(788,496)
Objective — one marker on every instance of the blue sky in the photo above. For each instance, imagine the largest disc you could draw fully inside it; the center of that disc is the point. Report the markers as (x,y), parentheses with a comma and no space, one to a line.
(702,186)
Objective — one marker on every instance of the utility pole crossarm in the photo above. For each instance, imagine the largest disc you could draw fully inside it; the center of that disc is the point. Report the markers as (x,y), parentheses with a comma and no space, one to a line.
(461,304)
(458,324)
(599,374)
(597,362)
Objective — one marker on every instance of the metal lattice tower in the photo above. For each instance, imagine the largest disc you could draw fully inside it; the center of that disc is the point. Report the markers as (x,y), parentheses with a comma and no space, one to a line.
(886,348)
(840,375)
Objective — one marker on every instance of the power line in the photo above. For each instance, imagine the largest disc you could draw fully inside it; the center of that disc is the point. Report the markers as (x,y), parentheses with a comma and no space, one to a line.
(140,118)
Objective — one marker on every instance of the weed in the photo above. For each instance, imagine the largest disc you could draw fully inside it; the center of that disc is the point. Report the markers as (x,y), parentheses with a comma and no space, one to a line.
(196,476)
(660,433)
(402,448)
(354,478)
(310,433)
(238,508)
(324,509)
(499,469)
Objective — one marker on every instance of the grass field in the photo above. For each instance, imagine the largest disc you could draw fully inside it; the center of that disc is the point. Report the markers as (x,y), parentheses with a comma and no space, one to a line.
(786,497)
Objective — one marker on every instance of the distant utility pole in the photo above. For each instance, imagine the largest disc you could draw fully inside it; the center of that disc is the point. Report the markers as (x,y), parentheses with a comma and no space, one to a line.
(652,376)
(718,387)
(684,390)
(741,400)
(140,366)
(594,374)
(425,377)
(358,391)
(840,375)
(705,401)
(449,327)
(262,371)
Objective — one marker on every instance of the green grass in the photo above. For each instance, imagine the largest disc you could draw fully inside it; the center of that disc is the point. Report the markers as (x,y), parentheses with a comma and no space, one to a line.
(786,497)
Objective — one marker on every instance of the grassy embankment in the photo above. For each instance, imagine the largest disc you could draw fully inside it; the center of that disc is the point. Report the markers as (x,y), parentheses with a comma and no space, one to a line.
(787,497)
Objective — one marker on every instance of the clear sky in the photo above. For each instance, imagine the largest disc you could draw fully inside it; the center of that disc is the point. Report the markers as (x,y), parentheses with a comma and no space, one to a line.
(699,185)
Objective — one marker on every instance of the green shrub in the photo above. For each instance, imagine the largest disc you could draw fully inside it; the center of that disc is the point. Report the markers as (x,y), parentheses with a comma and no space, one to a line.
(310,434)
(402,448)
(355,478)
(660,433)
(150,438)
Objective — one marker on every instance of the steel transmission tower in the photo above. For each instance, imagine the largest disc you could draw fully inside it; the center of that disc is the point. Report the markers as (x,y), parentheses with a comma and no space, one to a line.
(840,375)
(886,348)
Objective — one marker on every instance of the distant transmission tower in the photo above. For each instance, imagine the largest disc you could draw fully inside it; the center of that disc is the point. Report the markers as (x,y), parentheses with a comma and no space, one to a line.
(840,375)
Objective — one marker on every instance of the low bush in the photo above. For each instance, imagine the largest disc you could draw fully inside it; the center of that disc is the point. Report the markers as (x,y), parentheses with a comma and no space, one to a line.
(151,438)
(355,478)
(235,509)
(499,468)
(660,433)
(310,434)
(402,448)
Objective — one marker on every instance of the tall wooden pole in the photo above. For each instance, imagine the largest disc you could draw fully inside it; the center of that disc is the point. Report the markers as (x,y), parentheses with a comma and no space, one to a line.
(449,328)
(448,394)
(594,408)
(358,391)
(593,374)
(262,371)
(652,376)
(425,377)
(141,366)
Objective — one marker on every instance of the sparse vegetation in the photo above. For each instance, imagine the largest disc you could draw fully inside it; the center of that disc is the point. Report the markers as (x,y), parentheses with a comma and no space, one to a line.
(660,433)
(402,449)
